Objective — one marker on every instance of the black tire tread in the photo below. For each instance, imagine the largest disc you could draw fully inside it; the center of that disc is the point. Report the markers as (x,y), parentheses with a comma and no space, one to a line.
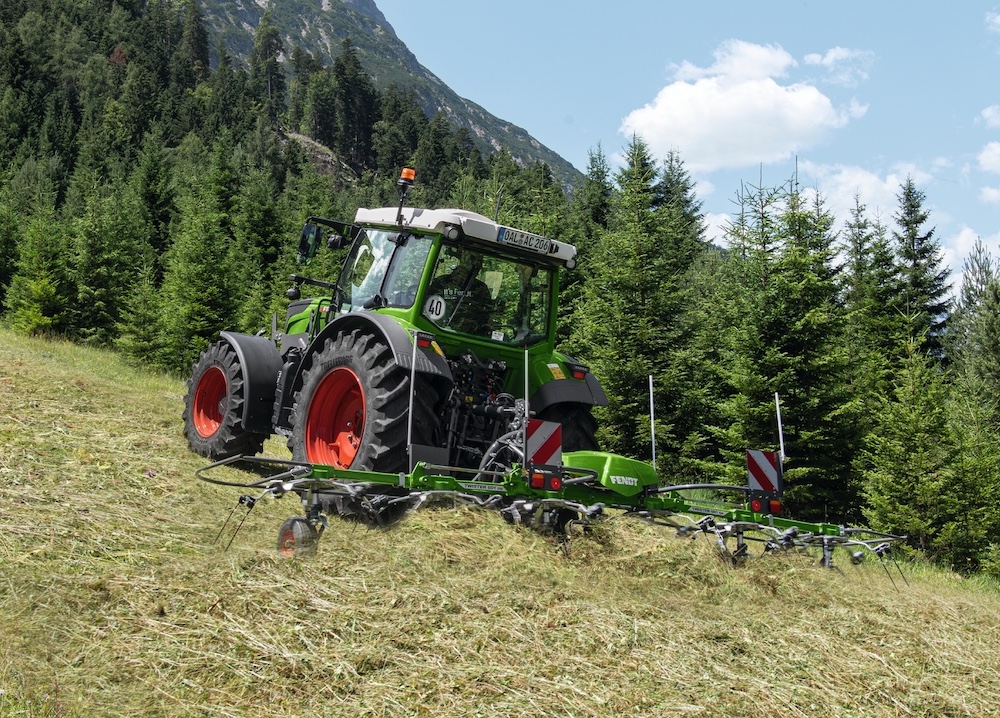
(386,386)
(579,426)
(231,438)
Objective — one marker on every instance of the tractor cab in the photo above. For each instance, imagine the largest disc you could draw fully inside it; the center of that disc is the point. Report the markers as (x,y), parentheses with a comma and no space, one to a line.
(446,271)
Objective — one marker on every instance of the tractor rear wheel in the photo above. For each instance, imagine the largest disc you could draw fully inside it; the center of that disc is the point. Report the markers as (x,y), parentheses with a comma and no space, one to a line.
(351,411)
(213,407)
(578,425)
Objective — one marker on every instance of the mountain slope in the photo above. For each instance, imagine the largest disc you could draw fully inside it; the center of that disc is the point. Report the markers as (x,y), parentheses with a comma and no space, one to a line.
(116,599)
(321,25)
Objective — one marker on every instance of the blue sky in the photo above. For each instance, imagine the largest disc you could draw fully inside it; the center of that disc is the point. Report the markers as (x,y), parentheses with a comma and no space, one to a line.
(861,93)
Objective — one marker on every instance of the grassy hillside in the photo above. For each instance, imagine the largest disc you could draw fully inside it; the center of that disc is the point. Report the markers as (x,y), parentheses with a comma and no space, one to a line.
(115,602)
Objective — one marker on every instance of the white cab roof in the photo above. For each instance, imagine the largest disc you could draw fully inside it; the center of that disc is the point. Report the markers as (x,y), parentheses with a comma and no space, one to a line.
(473,225)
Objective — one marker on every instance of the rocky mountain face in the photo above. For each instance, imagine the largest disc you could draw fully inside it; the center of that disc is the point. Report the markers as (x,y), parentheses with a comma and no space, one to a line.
(322,25)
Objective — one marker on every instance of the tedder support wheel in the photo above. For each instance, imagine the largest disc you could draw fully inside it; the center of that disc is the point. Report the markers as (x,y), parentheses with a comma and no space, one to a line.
(213,407)
(352,409)
(297,537)
(578,425)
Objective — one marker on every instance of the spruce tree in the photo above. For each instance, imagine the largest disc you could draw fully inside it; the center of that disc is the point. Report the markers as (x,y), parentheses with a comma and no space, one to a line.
(910,455)
(819,410)
(40,291)
(974,341)
(629,316)
(356,103)
(924,289)
(739,327)
(139,333)
(267,77)
(398,129)
(198,291)
(109,249)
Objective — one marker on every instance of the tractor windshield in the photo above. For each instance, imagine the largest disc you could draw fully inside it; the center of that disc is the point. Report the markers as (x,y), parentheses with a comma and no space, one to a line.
(383,270)
(494,296)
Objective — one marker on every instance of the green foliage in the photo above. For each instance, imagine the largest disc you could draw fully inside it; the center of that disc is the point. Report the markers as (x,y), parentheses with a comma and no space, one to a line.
(629,315)
(10,236)
(267,77)
(198,286)
(37,300)
(108,248)
(911,455)
(924,287)
(139,334)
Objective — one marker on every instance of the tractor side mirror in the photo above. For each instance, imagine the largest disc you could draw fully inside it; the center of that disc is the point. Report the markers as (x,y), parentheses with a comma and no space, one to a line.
(309,241)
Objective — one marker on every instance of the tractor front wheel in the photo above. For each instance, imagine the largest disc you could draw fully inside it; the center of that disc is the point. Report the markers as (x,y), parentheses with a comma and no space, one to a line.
(213,407)
(351,412)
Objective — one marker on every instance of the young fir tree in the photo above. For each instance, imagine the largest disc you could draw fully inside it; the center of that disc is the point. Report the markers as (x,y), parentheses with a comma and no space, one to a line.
(924,287)
(40,291)
(972,496)
(139,333)
(910,455)
(109,248)
(974,410)
(738,326)
(629,326)
(974,341)
(875,328)
(197,297)
(819,411)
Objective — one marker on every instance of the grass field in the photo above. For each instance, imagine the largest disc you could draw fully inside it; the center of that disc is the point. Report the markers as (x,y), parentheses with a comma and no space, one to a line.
(114,601)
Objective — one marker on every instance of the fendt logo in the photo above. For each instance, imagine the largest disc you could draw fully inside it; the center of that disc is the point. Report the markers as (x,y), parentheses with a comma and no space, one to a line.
(625,480)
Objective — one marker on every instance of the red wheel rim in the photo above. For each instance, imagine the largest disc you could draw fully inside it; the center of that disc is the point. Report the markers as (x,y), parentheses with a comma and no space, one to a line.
(336,420)
(286,543)
(210,401)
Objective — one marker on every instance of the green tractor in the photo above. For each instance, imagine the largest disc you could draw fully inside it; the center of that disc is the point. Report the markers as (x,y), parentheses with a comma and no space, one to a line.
(437,335)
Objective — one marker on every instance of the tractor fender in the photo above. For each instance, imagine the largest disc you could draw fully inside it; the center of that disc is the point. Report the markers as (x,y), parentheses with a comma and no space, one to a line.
(261,363)
(558,391)
(396,336)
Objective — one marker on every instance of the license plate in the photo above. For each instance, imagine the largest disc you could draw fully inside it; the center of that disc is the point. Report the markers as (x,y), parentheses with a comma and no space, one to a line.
(524,240)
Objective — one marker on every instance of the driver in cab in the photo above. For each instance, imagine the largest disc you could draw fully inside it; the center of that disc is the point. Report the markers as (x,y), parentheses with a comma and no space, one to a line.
(459,299)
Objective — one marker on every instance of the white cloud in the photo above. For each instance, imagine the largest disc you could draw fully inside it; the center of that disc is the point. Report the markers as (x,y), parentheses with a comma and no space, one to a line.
(838,184)
(959,246)
(990,195)
(991,116)
(715,228)
(739,60)
(734,113)
(844,66)
(993,21)
(989,157)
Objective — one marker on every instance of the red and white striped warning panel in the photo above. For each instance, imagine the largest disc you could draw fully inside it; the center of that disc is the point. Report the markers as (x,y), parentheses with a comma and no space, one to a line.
(544,442)
(763,471)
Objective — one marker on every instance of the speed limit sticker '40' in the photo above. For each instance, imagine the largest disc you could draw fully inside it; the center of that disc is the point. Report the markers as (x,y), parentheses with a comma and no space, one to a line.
(434,307)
